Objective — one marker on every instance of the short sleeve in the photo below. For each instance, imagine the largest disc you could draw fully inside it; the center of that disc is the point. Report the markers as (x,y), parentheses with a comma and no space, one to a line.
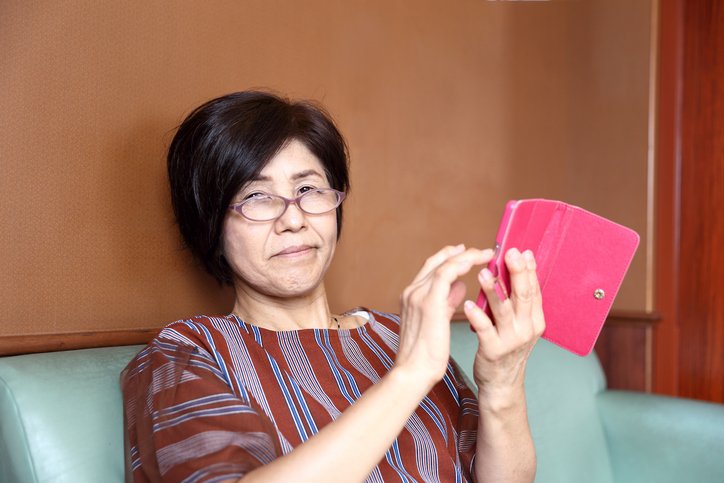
(184,422)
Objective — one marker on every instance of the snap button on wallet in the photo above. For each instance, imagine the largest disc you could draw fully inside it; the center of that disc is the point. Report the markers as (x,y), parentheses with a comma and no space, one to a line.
(581,261)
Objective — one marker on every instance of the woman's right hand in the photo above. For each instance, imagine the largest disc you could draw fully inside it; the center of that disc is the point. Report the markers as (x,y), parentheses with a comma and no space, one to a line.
(427,306)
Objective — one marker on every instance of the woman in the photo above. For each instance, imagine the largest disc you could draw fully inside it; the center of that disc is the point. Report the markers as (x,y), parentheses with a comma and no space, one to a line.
(281,389)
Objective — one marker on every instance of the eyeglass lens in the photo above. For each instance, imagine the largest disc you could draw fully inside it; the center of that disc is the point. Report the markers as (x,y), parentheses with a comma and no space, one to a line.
(269,207)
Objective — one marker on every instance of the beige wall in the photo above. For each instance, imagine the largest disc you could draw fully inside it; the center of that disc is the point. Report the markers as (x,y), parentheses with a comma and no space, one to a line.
(449,108)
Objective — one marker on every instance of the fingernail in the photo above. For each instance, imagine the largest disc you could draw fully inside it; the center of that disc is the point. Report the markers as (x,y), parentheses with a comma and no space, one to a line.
(469,304)
(487,274)
(460,248)
(514,254)
(488,252)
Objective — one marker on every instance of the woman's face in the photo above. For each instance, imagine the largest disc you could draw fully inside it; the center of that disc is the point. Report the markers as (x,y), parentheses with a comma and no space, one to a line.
(289,256)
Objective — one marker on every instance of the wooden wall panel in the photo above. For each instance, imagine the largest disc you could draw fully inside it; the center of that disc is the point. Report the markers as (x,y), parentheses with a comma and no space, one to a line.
(689,340)
(625,349)
(622,352)
(701,291)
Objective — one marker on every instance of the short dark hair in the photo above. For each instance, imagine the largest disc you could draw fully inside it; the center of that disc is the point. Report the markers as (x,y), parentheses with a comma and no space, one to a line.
(225,143)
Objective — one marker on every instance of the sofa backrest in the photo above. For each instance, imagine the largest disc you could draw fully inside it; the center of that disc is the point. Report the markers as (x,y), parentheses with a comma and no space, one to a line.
(61,413)
(61,416)
(560,391)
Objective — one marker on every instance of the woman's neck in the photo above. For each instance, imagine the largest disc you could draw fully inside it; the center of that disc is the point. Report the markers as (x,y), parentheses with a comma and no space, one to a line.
(310,311)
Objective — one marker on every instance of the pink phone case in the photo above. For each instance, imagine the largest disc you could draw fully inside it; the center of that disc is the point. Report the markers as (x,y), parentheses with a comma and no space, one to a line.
(581,261)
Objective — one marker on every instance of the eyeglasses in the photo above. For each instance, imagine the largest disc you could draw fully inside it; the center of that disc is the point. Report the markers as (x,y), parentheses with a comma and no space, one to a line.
(268,207)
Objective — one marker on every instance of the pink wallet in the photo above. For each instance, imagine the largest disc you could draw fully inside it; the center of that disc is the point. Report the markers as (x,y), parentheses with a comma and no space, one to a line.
(581,261)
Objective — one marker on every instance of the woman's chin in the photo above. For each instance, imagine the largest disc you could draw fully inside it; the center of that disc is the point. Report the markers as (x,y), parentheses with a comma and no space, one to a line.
(293,292)
(294,285)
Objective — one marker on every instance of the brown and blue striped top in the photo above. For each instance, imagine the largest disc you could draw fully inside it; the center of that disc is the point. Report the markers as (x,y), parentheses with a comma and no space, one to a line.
(212,398)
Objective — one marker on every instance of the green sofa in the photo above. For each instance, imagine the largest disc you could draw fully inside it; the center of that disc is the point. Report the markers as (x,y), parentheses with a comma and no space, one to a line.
(61,421)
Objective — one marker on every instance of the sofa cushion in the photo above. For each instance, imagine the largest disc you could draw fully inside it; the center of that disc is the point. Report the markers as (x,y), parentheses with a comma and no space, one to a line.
(66,407)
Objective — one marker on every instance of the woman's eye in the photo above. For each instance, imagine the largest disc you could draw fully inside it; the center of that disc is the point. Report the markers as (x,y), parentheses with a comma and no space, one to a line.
(304,189)
(254,195)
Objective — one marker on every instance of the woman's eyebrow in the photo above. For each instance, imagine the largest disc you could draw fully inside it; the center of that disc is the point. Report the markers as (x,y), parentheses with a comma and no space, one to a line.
(296,176)
(306,174)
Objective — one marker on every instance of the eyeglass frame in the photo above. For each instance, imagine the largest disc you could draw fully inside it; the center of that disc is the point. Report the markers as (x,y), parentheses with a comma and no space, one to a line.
(290,201)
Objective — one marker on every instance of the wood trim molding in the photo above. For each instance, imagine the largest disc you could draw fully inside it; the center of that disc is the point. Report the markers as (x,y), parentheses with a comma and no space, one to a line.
(668,197)
(30,344)
(651,157)
(628,317)
(632,317)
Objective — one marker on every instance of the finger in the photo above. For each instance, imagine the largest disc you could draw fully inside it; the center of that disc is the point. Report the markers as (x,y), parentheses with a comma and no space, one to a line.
(521,293)
(437,259)
(449,271)
(479,321)
(500,305)
(537,311)
(469,258)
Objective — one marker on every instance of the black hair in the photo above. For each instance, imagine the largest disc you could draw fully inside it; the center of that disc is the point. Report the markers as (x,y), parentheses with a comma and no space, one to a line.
(225,143)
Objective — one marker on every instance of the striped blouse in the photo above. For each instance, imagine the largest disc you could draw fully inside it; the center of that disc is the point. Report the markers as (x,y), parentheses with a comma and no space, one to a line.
(212,398)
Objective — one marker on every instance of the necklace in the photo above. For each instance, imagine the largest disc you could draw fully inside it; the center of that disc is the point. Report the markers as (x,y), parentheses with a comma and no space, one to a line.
(334,320)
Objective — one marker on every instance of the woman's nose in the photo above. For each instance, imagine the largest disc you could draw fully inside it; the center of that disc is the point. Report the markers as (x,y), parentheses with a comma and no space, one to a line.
(292,219)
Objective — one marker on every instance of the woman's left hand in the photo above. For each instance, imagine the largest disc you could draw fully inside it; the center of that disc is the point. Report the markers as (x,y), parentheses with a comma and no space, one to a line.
(504,346)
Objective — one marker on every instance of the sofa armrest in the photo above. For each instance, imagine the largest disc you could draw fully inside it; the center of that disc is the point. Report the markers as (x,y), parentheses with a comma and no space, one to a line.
(61,416)
(662,439)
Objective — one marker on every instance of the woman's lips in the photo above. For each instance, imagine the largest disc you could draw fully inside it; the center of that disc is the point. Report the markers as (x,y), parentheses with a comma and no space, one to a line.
(294,251)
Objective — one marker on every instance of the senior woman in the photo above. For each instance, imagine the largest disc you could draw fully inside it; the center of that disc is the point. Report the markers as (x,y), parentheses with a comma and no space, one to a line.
(281,389)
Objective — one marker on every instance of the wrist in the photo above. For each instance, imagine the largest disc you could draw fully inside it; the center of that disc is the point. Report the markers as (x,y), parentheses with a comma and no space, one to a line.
(501,400)
(411,380)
